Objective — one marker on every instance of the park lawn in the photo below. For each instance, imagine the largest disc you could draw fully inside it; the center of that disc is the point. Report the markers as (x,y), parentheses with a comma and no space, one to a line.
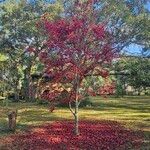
(132,112)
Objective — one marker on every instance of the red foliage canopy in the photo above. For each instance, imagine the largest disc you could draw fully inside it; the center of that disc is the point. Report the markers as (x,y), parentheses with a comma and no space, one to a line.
(77,46)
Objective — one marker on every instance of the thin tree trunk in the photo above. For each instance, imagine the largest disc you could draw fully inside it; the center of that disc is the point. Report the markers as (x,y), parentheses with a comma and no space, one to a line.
(37,90)
(76,119)
(16,91)
(75,111)
(16,96)
(77,106)
(139,92)
(145,90)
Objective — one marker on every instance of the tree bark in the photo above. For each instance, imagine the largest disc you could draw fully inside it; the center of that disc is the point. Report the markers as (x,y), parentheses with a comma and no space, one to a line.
(16,91)
(76,105)
(16,96)
(27,82)
(76,119)
(76,109)
(139,92)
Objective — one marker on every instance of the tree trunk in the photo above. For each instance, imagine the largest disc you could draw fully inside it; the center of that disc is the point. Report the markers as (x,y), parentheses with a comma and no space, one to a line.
(76,105)
(139,92)
(16,91)
(145,90)
(76,119)
(27,82)
(16,96)
(37,90)
(75,114)
(75,111)
(76,87)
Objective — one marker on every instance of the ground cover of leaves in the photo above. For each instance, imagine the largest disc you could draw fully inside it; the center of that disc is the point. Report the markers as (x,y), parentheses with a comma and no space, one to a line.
(59,135)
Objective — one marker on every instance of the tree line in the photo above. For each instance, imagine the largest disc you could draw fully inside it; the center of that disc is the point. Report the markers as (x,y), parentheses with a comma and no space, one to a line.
(127,21)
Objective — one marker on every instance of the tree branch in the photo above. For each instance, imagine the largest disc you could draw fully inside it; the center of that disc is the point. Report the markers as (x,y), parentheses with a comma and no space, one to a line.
(70,108)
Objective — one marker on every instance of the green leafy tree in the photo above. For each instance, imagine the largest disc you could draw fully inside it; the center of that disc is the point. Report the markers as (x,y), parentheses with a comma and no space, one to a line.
(127,20)
(139,73)
(136,72)
(18,33)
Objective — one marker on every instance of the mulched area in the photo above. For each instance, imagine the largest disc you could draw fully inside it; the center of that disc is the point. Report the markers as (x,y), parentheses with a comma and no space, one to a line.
(94,135)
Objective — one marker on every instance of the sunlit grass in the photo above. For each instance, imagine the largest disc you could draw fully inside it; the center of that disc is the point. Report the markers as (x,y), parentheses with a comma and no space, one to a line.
(132,112)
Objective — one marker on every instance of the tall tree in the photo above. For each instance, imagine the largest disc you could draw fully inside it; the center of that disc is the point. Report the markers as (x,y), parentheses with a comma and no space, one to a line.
(76,47)
(18,33)
(139,73)
(137,69)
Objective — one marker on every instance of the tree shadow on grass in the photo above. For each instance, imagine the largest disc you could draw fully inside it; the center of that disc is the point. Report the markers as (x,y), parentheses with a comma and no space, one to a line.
(141,104)
(94,135)
(112,105)
(36,117)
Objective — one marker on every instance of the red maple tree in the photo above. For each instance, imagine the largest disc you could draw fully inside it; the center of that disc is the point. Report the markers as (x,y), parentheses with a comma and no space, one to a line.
(77,46)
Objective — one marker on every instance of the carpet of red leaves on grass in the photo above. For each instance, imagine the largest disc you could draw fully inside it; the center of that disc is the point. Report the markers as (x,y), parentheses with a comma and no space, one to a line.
(104,135)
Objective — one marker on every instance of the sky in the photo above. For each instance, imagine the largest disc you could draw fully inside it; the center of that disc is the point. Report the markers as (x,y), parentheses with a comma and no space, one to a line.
(148,6)
(133,48)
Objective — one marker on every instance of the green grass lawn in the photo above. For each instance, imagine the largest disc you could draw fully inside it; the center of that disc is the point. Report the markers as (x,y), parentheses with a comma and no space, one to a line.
(133,112)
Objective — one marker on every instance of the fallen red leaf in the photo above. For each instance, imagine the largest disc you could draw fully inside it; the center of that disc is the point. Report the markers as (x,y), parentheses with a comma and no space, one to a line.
(104,135)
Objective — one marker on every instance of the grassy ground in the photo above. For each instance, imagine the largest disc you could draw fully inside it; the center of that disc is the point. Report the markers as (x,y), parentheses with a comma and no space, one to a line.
(133,112)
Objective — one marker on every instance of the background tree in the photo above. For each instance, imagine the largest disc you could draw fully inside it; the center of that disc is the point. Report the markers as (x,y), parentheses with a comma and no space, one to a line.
(18,33)
(127,20)
(139,73)
(137,69)
(10,75)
